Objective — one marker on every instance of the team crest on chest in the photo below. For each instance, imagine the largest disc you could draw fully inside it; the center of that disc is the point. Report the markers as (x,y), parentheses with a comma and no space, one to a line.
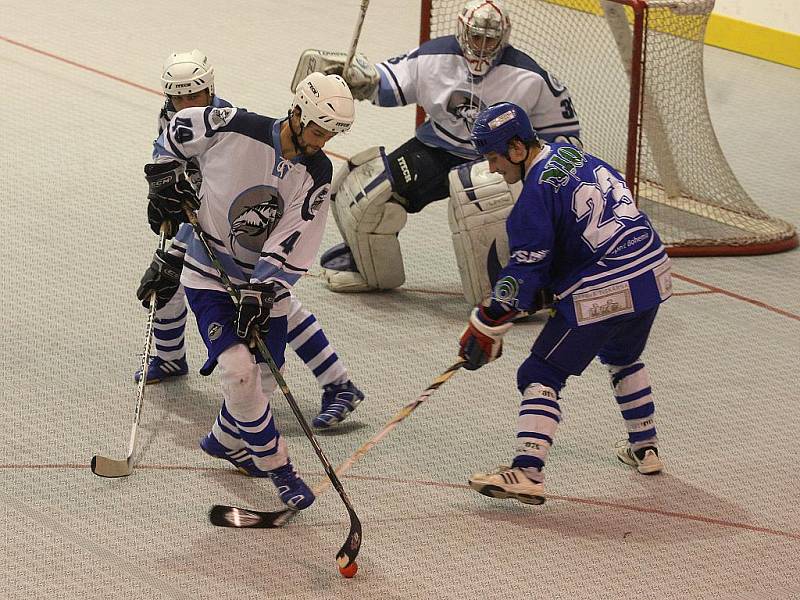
(465,106)
(253,217)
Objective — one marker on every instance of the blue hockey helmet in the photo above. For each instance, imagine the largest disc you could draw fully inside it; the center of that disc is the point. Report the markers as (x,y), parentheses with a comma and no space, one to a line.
(496,125)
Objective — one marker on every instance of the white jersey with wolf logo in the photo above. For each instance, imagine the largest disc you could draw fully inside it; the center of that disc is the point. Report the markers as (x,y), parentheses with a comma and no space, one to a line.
(265,217)
(436,77)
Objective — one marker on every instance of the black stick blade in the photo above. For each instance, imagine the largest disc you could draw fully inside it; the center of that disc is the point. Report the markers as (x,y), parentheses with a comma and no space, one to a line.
(107,467)
(243,518)
(352,545)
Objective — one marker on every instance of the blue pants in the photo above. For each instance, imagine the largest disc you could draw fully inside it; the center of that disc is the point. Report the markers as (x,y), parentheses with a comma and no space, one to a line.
(561,350)
(215,313)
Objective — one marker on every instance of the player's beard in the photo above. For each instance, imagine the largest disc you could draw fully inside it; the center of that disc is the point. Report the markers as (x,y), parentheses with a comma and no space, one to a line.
(302,148)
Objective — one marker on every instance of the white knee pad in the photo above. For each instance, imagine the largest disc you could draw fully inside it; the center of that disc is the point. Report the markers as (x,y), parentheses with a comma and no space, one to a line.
(241,384)
(480,202)
(369,218)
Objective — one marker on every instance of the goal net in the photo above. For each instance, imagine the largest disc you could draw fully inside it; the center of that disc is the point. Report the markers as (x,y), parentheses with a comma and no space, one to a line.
(634,69)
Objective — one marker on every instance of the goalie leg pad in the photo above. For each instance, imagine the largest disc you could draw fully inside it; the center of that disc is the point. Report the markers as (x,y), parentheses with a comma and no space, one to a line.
(480,203)
(369,218)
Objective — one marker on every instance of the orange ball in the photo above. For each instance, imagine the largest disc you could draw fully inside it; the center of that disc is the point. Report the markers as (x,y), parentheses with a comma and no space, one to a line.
(350,570)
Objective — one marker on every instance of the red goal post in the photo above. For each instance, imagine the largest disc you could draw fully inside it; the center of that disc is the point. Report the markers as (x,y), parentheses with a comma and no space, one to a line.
(635,72)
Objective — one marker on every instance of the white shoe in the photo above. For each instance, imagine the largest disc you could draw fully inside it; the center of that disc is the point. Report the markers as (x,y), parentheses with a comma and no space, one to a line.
(645,459)
(345,281)
(505,482)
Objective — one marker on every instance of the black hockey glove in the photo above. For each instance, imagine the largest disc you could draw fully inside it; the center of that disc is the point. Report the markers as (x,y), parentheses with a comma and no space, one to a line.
(255,302)
(168,192)
(163,277)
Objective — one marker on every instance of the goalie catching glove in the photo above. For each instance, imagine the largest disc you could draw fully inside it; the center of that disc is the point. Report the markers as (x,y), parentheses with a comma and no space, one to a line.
(255,302)
(168,192)
(362,78)
(163,277)
(482,340)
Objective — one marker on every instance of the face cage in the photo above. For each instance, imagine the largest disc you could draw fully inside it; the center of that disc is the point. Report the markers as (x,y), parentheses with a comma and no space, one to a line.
(480,53)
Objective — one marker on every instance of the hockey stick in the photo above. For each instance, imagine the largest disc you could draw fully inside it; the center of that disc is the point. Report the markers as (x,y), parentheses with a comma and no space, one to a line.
(108,467)
(232,516)
(222,515)
(356,34)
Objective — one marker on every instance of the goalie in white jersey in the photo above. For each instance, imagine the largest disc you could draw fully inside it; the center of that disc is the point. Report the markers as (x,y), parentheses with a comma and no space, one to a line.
(187,80)
(453,78)
(264,194)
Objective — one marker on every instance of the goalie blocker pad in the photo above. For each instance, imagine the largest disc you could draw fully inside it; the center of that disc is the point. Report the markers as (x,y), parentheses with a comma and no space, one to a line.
(369,220)
(480,202)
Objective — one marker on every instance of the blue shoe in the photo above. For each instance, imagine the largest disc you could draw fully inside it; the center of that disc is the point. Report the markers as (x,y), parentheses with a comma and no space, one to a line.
(292,490)
(238,458)
(338,401)
(158,370)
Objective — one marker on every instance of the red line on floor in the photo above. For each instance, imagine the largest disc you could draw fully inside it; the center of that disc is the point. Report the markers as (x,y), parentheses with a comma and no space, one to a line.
(122,80)
(710,288)
(735,296)
(440,484)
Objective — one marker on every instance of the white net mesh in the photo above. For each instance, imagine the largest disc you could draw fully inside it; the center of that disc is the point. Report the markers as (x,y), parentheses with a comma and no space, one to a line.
(684,182)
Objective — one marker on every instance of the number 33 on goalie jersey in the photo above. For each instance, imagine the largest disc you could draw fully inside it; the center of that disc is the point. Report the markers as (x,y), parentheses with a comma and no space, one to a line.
(264,215)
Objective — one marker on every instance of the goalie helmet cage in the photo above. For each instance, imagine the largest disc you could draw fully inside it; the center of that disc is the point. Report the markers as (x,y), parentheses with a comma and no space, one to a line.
(634,69)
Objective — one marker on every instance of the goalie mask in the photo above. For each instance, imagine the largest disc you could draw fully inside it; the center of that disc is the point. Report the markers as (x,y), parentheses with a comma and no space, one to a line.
(483,31)
(186,73)
(326,100)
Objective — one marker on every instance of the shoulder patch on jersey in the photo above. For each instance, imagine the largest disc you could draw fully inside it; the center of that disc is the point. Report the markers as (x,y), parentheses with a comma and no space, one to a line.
(506,291)
(314,200)
(220,116)
(563,164)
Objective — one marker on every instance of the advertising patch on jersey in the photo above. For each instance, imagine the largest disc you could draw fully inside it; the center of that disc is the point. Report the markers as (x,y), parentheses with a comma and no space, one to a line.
(529,256)
(506,292)
(563,164)
(314,200)
(253,217)
(214,331)
(604,303)
(663,275)
(220,116)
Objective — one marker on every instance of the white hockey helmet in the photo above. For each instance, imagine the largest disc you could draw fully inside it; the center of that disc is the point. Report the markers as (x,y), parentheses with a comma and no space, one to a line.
(187,73)
(483,31)
(326,100)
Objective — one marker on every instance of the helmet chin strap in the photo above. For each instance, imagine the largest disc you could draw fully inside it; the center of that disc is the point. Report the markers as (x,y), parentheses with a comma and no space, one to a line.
(300,146)
(521,163)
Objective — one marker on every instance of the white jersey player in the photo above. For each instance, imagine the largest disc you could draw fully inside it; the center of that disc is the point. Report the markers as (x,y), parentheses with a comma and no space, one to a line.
(264,194)
(453,78)
(188,81)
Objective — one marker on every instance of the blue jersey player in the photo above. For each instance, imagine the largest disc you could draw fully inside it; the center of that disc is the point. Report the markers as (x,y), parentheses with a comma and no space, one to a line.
(575,230)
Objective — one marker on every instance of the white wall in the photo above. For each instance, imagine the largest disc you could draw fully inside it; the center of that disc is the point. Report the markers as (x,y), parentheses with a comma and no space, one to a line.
(778,14)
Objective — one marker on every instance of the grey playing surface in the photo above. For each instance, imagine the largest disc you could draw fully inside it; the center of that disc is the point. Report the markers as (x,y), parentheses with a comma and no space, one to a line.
(80,100)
